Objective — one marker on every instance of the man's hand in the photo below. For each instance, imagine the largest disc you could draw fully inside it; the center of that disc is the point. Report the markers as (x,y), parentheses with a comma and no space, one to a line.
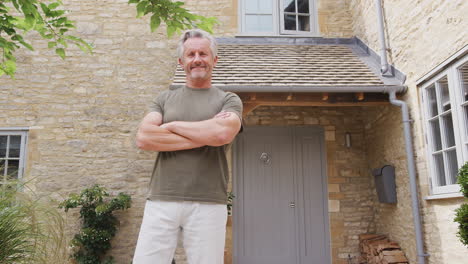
(218,131)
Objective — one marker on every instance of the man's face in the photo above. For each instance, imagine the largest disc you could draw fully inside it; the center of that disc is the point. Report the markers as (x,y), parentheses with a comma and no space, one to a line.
(198,61)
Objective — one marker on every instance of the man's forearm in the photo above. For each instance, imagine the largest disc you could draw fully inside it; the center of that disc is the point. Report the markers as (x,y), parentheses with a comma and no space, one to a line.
(156,138)
(217,131)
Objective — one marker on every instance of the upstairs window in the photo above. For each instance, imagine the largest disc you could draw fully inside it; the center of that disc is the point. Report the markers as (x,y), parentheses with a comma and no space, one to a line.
(275,17)
(12,155)
(445,99)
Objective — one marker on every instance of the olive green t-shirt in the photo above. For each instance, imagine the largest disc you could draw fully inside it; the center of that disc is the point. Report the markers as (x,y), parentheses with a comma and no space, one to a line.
(199,174)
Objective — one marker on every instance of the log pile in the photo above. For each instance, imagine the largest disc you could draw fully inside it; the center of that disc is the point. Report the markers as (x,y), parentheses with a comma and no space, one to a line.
(378,249)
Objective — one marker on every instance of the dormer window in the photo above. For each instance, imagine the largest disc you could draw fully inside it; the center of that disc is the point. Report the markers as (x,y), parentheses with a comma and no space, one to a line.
(278,17)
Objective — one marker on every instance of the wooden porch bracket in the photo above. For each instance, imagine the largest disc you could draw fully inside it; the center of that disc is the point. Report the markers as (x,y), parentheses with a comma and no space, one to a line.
(324,96)
(248,107)
(360,96)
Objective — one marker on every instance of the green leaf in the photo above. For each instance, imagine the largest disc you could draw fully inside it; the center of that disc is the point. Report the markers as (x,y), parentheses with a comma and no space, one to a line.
(45,9)
(141,8)
(63,42)
(170,30)
(26,45)
(51,44)
(54,5)
(48,36)
(30,22)
(155,22)
(10,67)
(60,52)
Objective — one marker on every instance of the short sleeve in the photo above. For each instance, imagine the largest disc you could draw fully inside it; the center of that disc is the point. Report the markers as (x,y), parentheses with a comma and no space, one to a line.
(158,104)
(232,103)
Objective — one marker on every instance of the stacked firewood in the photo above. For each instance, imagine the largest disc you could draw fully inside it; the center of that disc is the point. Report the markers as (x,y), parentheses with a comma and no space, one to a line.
(378,249)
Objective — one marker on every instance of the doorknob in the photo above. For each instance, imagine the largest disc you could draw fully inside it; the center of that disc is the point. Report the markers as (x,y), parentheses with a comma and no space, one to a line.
(265,157)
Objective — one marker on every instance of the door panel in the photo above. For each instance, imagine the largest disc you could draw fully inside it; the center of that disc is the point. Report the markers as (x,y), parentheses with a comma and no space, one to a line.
(268,220)
(280,214)
(311,192)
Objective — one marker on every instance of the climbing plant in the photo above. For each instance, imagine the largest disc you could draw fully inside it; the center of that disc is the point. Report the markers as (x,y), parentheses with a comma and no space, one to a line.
(99,224)
(461,216)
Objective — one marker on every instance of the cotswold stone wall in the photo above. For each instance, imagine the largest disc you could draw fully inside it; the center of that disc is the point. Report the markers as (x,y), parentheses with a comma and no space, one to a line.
(350,204)
(420,35)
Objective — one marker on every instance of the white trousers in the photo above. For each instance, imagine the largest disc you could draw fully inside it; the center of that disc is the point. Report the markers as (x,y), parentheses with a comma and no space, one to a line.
(204,231)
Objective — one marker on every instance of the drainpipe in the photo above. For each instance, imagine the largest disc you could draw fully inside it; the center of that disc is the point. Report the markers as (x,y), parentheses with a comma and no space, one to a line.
(384,67)
(412,176)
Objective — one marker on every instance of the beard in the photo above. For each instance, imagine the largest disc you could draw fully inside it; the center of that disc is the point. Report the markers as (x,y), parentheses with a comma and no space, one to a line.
(199,74)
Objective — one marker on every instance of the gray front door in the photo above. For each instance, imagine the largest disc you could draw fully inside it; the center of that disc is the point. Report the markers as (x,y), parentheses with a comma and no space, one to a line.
(280,212)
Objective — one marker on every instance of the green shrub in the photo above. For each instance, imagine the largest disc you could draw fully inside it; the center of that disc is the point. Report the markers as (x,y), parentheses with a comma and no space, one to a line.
(462,179)
(461,216)
(99,225)
(31,228)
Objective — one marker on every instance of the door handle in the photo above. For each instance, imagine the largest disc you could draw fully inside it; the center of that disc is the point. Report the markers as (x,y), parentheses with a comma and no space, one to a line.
(265,157)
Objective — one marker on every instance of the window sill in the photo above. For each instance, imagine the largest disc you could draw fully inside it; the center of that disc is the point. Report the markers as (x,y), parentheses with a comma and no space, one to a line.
(443,196)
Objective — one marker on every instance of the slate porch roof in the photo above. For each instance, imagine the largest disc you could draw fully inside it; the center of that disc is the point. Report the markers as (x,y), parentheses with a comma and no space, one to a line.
(303,62)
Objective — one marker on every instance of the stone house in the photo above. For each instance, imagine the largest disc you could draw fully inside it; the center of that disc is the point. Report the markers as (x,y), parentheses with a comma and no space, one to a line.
(317,116)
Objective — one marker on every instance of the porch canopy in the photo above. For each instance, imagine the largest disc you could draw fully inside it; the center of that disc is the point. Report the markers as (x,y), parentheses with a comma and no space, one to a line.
(300,72)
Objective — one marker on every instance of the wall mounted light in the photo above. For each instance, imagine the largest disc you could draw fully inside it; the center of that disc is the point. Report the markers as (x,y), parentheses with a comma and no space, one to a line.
(348,139)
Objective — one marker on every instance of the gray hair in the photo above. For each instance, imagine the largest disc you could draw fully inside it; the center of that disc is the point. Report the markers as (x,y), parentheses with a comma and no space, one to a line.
(196,33)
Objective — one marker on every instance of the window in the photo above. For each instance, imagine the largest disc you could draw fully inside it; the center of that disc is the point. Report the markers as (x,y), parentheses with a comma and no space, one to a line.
(274,17)
(12,154)
(445,99)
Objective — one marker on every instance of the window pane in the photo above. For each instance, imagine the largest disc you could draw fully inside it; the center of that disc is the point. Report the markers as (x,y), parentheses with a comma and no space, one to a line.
(12,171)
(3,146)
(464,79)
(439,164)
(15,146)
(259,23)
(259,6)
(432,101)
(290,22)
(435,129)
(445,94)
(265,23)
(251,6)
(289,6)
(303,6)
(448,130)
(265,6)
(304,23)
(452,167)
(2,169)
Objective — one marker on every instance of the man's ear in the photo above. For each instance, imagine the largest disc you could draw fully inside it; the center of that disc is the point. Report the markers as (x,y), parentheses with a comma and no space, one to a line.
(215,60)
(181,63)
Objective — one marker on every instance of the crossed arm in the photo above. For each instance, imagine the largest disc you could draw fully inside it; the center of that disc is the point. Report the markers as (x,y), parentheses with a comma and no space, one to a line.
(179,135)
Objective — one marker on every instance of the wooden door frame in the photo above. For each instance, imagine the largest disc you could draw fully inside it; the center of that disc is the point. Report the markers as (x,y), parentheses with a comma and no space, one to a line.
(237,165)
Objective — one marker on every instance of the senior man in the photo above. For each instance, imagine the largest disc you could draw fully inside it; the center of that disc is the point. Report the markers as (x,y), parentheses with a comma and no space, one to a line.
(191,128)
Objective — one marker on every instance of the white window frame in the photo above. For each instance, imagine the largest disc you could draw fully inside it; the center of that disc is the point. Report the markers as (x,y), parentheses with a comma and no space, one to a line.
(278,20)
(455,88)
(23,148)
